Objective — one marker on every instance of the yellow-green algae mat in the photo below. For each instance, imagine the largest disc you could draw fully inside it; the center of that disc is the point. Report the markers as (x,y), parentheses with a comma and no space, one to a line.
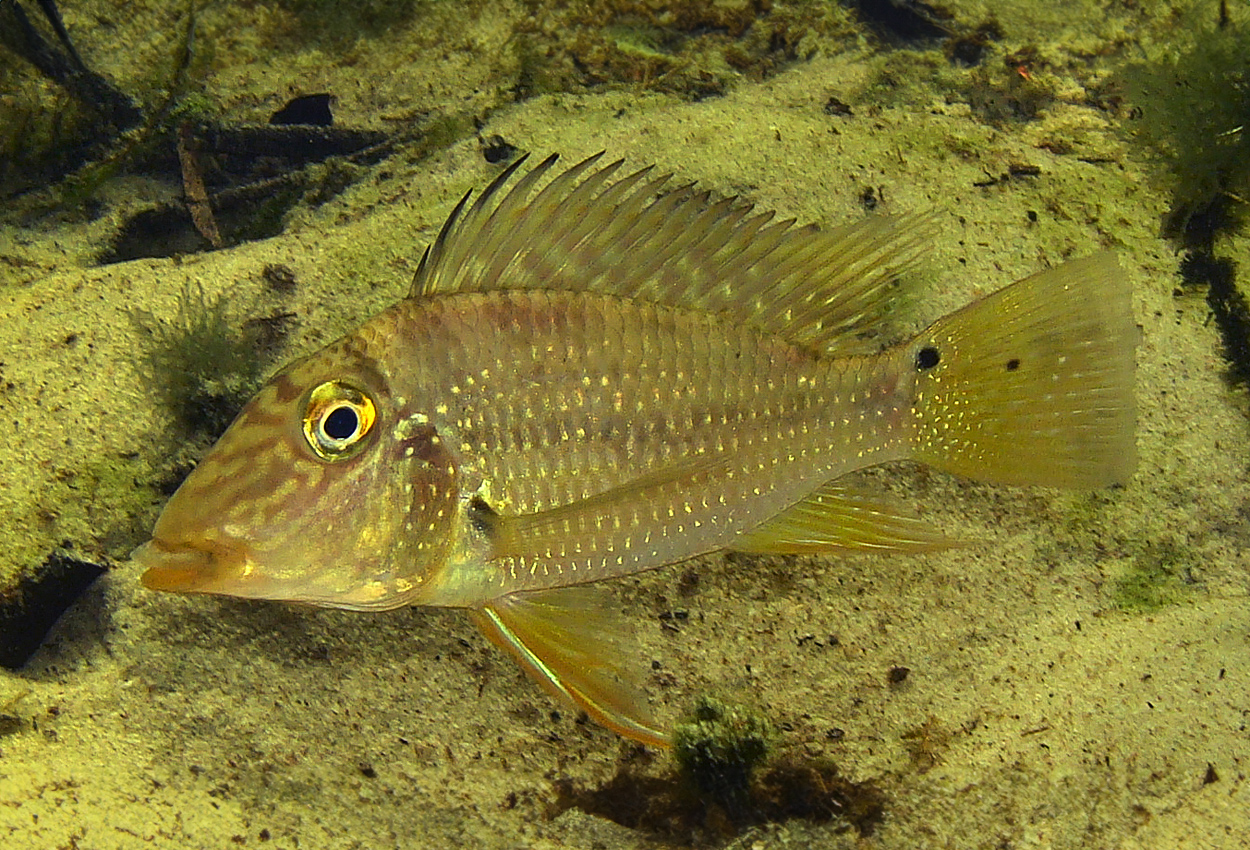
(1037,709)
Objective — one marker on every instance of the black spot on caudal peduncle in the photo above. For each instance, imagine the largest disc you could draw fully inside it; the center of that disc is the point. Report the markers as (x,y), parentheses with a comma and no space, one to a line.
(927,358)
(1013,364)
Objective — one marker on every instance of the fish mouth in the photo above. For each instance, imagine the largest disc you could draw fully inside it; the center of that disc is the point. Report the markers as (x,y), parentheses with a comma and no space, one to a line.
(185,567)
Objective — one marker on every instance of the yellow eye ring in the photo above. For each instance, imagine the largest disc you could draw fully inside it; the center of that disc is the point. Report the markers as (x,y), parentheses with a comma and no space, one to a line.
(337,418)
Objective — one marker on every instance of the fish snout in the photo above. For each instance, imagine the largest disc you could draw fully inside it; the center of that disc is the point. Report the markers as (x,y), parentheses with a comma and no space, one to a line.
(184,567)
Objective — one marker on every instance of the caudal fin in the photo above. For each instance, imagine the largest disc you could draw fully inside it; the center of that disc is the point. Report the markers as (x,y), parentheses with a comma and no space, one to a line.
(1034,383)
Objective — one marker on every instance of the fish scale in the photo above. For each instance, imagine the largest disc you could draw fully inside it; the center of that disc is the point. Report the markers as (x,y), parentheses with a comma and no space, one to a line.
(639,401)
(596,375)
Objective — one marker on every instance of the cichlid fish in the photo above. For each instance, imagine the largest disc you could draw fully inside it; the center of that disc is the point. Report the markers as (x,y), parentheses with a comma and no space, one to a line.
(595,375)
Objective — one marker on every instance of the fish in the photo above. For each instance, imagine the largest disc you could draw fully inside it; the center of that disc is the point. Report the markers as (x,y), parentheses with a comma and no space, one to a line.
(598,372)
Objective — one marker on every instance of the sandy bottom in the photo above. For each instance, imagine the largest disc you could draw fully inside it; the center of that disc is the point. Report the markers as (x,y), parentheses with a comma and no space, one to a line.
(1036,711)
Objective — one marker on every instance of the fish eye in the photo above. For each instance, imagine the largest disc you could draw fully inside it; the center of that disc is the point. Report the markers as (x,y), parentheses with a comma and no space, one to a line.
(337,418)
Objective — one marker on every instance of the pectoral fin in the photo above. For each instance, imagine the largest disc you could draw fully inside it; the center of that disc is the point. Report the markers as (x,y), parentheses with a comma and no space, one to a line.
(576,647)
(838,517)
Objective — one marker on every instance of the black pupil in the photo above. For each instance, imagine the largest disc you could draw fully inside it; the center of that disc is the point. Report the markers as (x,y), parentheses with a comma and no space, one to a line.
(340,423)
(927,358)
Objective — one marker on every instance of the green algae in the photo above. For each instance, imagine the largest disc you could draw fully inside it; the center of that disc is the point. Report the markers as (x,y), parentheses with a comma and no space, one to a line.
(1190,109)
(718,749)
(203,364)
(1157,577)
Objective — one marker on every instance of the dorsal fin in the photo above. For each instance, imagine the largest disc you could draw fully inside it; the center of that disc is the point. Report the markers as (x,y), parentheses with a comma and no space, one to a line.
(589,231)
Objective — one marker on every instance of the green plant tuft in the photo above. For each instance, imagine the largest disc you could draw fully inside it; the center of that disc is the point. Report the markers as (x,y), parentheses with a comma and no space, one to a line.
(1192,109)
(204,364)
(718,750)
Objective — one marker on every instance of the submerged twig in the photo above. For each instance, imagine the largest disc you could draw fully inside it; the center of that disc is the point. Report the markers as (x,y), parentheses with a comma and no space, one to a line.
(68,71)
(53,14)
(193,185)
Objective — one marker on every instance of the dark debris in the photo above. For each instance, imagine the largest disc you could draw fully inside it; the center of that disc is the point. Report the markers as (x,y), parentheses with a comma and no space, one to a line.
(309,109)
(64,66)
(260,173)
(666,807)
(239,179)
(905,21)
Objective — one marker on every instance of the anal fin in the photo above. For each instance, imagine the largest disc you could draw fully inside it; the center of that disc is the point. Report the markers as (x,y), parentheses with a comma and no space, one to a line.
(575,646)
(839,517)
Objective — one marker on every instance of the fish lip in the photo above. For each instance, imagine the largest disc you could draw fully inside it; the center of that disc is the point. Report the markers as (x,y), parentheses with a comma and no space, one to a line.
(182,567)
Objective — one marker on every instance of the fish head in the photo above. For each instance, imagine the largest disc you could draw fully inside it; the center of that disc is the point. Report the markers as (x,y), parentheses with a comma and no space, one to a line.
(324,490)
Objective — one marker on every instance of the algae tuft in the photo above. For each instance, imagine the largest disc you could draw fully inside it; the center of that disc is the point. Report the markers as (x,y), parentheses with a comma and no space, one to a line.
(1191,107)
(202,365)
(718,749)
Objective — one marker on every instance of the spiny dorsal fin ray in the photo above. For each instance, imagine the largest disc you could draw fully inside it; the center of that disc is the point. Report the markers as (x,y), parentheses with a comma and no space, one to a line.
(839,518)
(573,644)
(589,231)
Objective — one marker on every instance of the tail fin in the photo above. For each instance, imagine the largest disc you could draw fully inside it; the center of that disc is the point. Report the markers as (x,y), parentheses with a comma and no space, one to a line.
(1034,383)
